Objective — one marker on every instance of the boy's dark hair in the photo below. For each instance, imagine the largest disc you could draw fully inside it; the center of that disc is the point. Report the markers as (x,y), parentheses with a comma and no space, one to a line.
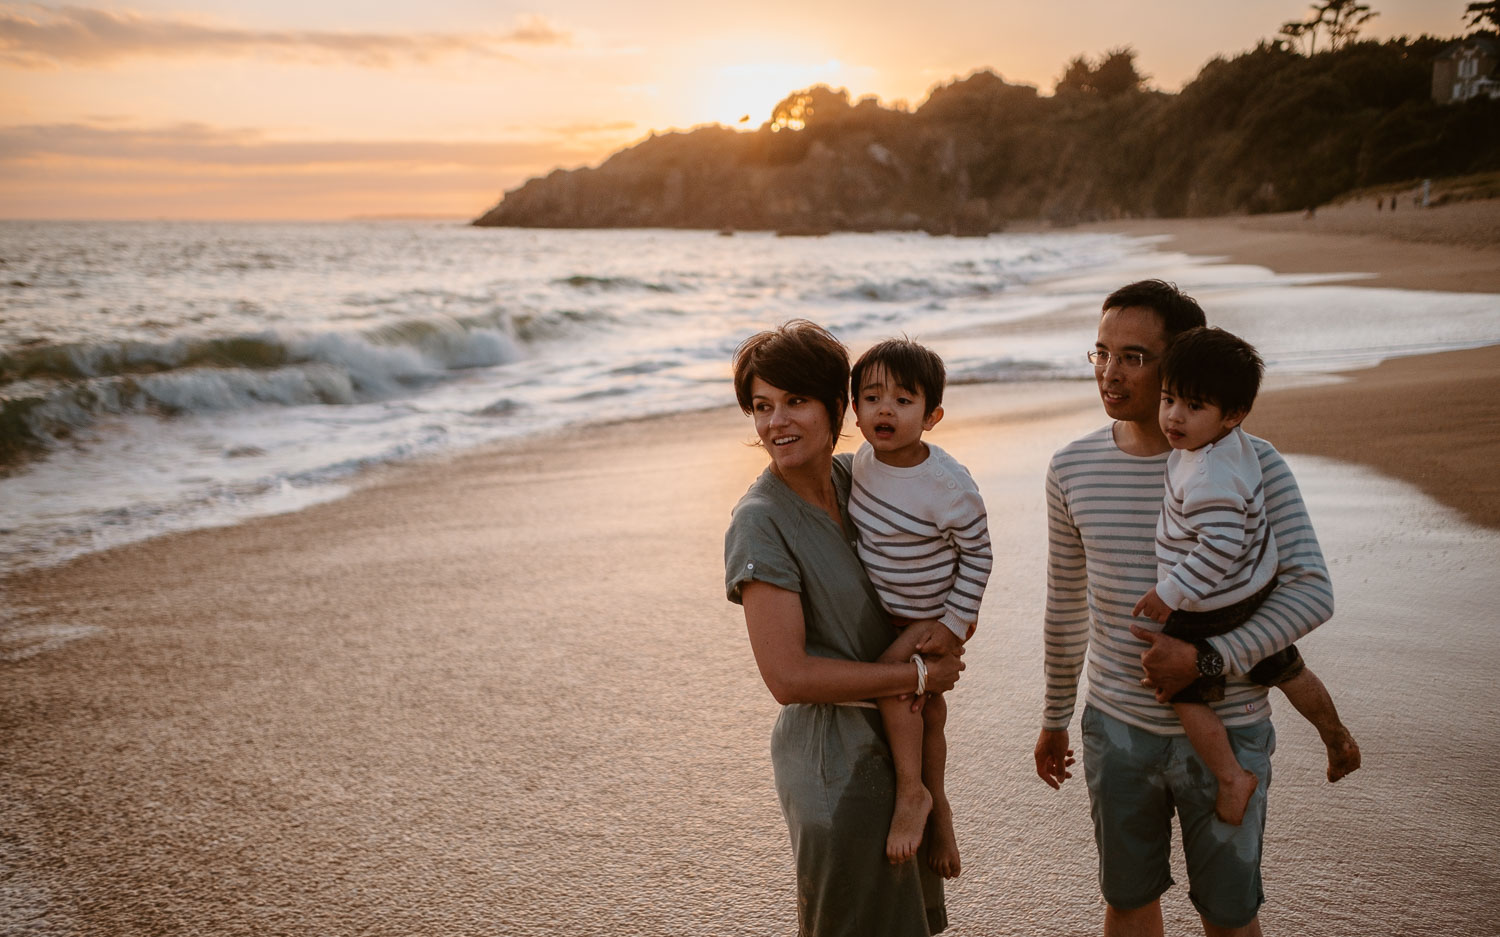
(908,364)
(1213,366)
(799,357)
(1177,310)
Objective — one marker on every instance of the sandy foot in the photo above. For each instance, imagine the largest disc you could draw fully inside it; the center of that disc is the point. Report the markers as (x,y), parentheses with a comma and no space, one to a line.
(907,824)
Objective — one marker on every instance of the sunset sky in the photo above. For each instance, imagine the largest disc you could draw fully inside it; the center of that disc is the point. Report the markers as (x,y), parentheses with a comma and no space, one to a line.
(345,108)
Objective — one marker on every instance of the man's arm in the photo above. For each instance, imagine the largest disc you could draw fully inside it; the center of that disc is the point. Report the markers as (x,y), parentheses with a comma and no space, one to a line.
(1303,597)
(1065,622)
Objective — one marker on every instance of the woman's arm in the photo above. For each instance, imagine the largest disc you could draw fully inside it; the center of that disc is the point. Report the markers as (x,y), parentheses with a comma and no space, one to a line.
(778,639)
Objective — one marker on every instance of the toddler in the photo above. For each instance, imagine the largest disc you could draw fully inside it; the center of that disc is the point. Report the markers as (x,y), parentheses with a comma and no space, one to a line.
(924,542)
(1216,553)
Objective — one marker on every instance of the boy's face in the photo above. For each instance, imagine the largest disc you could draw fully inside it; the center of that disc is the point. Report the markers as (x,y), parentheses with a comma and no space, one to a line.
(1193,424)
(892,419)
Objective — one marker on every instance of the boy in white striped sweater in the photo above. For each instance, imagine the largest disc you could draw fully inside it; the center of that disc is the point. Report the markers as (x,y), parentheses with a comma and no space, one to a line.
(925,545)
(1216,553)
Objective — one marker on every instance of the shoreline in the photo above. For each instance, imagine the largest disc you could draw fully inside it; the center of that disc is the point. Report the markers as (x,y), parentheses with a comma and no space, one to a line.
(1430,420)
(1448,248)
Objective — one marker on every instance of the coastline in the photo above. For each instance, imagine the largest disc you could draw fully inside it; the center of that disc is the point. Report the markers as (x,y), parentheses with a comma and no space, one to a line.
(1430,420)
(503,692)
(1449,248)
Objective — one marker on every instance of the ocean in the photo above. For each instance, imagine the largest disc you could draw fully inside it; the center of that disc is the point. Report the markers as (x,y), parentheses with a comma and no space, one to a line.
(163,376)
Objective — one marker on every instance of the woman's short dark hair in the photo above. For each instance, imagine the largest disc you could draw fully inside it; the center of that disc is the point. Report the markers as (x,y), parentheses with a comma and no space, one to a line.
(799,357)
(1214,366)
(1177,310)
(906,363)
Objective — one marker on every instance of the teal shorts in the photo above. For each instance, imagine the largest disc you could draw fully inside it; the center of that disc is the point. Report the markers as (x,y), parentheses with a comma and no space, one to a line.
(1136,781)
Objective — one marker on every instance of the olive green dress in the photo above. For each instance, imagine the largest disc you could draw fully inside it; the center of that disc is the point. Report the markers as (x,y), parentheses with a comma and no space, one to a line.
(834,775)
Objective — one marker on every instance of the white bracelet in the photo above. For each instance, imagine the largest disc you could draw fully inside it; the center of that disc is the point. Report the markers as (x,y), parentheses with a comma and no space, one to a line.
(921,673)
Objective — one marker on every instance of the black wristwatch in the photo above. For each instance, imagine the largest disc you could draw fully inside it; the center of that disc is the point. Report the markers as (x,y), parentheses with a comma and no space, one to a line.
(1210,661)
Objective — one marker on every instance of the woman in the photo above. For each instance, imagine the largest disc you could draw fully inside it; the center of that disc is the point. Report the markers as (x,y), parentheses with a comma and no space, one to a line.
(816,627)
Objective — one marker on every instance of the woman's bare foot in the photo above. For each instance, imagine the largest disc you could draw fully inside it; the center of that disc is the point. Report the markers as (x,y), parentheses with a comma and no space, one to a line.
(942,849)
(1343,754)
(907,823)
(1234,797)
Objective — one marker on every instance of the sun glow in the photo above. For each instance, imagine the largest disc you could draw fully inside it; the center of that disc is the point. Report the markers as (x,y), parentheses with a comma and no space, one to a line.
(743,96)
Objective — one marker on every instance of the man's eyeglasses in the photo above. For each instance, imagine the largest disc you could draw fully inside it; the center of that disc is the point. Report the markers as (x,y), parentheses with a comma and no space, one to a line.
(1130,359)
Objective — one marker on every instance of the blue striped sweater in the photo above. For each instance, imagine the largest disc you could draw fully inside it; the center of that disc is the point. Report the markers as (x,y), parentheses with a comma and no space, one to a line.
(1102,509)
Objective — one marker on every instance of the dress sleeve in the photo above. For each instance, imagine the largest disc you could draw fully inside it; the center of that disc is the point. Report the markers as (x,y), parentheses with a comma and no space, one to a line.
(756,549)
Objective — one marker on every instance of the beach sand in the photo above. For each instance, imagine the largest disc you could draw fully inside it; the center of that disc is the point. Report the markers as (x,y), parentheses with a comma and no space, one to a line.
(1453,248)
(504,694)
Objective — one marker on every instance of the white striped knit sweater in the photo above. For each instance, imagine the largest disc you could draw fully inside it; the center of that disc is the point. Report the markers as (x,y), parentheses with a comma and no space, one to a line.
(1213,545)
(922,537)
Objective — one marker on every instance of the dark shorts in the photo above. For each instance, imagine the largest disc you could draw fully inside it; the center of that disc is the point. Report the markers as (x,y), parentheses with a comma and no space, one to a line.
(1137,780)
(1196,626)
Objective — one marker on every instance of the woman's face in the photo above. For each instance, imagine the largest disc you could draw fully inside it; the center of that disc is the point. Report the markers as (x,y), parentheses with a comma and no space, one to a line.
(793,428)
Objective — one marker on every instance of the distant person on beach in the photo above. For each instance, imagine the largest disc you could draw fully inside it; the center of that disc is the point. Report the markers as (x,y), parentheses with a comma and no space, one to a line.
(925,542)
(1104,492)
(823,644)
(1216,555)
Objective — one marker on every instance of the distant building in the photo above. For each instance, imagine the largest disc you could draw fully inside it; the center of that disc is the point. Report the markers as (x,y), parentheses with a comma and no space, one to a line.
(1466,70)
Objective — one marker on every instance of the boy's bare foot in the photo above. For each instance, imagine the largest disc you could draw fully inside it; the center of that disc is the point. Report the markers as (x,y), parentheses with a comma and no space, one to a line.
(1234,797)
(1343,754)
(942,849)
(907,823)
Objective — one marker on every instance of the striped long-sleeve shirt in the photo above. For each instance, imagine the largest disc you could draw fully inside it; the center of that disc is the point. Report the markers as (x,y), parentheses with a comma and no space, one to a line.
(1213,545)
(923,537)
(1102,507)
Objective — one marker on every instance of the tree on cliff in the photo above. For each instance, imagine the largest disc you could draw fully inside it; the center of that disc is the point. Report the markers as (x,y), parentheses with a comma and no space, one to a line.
(819,104)
(1477,14)
(1114,75)
(1339,20)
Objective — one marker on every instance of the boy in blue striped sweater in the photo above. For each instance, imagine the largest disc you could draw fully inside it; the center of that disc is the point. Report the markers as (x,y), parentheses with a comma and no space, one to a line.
(1216,553)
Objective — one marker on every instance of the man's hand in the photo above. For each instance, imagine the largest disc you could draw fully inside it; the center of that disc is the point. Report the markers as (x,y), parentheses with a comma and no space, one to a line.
(1053,757)
(1151,606)
(1170,664)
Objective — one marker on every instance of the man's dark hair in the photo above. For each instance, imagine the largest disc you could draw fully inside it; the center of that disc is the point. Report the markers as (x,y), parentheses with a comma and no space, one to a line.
(799,357)
(1213,366)
(908,364)
(1177,310)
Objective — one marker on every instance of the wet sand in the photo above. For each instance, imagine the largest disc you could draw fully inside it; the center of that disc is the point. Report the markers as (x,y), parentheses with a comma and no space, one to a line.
(504,694)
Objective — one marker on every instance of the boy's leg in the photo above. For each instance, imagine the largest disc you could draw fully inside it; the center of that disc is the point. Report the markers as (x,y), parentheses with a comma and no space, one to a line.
(942,851)
(903,730)
(1308,694)
(1211,742)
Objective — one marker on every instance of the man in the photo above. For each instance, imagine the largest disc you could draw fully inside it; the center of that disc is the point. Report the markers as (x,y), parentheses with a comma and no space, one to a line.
(1104,492)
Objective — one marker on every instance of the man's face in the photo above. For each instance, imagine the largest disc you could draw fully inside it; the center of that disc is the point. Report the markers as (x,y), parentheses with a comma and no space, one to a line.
(1130,393)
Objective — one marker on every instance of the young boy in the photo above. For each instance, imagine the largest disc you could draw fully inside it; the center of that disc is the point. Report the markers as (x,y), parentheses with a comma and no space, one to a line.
(924,543)
(1216,555)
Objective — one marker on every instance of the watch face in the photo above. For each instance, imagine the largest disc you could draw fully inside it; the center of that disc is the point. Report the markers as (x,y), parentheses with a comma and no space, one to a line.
(1210,662)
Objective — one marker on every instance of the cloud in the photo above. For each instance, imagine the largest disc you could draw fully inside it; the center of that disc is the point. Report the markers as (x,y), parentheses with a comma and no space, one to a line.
(34,36)
(204,145)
